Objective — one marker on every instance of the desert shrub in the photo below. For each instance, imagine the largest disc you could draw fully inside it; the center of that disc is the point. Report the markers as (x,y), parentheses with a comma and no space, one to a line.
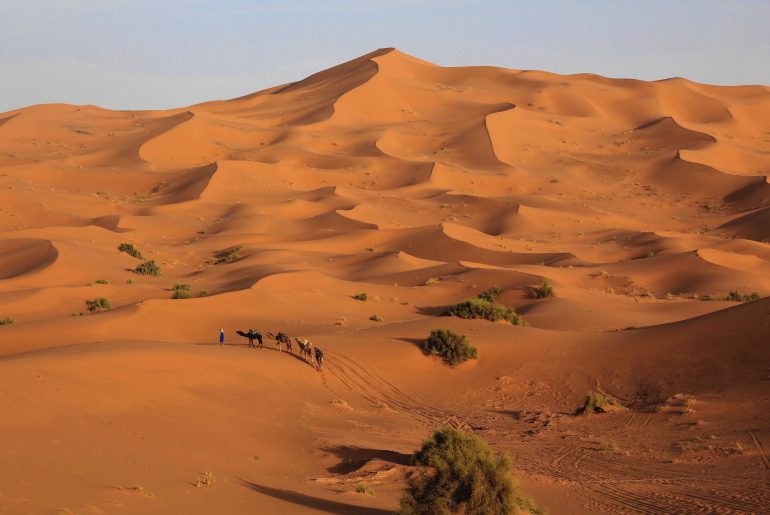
(129,249)
(464,476)
(431,280)
(361,296)
(182,291)
(102,281)
(7,321)
(375,318)
(148,268)
(596,402)
(742,297)
(480,308)
(452,347)
(229,255)
(491,294)
(98,304)
(363,488)
(202,293)
(543,291)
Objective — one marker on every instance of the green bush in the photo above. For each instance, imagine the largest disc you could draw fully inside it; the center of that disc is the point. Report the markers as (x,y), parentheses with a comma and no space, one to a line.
(229,255)
(182,291)
(102,281)
(7,321)
(596,402)
(361,296)
(542,291)
(742,297)
(491,294)
(148,268)
(452,347)
(480,308)
(129,249)
(98,304)
(464,476)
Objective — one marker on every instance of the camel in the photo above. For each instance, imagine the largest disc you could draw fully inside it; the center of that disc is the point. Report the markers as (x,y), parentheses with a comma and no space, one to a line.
(252,335)
(305,348)
(280,338)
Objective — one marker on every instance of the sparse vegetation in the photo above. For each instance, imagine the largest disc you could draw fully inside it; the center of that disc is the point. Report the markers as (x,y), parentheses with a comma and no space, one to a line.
(464,476)
(341,404)
(182,291)
(431,280)
(129,281)
(375,318)
(452,347)
(7,321)
(544,290)
(205,479)
(596,402)
(491,294)
(480,308)
(102,281)
(735,296)
(202,293)
(129,249)
(148,268)
(363,488)
(229,255)
(361,296)
(98,304)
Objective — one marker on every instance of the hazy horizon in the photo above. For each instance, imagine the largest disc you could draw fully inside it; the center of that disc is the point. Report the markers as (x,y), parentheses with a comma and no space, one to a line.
(152,55)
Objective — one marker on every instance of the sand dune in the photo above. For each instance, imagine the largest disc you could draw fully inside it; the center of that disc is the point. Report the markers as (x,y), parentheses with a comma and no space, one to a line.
(419,185)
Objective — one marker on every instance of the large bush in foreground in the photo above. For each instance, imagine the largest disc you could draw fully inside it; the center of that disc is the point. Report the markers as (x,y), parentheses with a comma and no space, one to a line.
(454,348)
(464,475)
(481,308)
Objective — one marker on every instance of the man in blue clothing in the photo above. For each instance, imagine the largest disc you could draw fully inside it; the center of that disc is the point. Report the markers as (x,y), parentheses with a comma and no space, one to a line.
(222,336)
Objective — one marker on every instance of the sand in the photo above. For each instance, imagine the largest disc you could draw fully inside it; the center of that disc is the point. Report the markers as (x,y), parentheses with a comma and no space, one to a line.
(419,185)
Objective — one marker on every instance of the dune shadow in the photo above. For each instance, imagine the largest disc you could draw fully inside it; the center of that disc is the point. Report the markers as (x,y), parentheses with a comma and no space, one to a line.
(353,458)
(315,503)
(434,311)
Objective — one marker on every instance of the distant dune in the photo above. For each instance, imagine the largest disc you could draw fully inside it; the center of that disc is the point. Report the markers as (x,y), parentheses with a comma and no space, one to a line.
(644,204)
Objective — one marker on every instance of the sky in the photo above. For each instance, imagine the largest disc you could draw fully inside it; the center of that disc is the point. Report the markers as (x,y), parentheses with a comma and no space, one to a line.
(152,54)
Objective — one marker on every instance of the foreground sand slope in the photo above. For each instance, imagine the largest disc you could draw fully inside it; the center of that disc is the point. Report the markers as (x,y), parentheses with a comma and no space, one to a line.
(419,185)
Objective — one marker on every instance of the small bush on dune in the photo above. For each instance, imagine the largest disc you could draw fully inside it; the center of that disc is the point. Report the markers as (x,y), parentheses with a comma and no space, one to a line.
(102,281)
(129,249)
(148,268)
(361,296)
(229,255)
(596,402)
(464,476)
(375,318)
(543,291)
(182,291)
(452,347)
(480,308)
(7,321)
(491,294)
(98,304)
(742,297)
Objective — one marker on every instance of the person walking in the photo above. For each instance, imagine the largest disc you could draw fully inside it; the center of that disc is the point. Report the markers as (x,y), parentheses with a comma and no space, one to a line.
(222,337)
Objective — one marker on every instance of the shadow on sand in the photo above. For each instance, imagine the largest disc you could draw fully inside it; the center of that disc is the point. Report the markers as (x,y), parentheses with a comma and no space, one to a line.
(315,503)
(353,458)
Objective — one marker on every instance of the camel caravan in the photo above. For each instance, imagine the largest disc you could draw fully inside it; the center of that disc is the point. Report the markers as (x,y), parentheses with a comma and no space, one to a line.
(306,349)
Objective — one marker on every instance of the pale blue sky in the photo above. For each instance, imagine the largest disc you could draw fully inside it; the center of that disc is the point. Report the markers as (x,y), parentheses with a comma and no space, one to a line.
(167,53)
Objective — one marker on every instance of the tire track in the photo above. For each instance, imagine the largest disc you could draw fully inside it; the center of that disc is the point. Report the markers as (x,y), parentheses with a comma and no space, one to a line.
(762,454)
(362,380)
